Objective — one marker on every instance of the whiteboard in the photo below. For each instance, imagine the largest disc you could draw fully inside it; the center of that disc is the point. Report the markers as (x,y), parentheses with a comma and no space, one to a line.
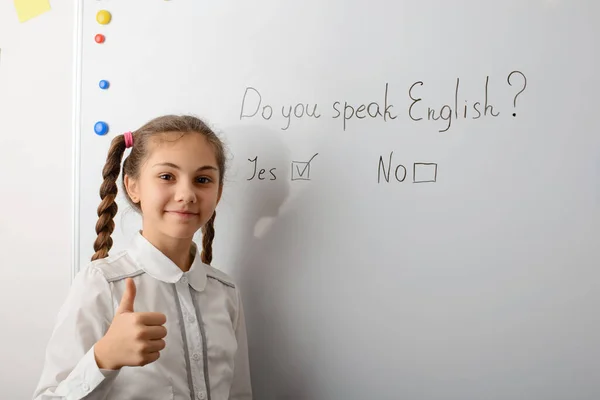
(426,220)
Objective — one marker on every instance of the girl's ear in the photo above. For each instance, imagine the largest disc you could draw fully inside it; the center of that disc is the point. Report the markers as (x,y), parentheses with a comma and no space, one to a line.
(132,188)
(220,193)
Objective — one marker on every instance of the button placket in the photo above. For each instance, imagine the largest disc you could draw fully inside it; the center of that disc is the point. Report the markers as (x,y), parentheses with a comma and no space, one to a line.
(194,338)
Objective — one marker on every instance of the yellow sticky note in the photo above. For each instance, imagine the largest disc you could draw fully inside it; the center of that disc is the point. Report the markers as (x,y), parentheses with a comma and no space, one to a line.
(27,9)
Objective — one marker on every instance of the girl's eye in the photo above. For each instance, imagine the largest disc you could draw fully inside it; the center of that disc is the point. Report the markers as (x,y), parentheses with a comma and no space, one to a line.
(202,179)
(166,177)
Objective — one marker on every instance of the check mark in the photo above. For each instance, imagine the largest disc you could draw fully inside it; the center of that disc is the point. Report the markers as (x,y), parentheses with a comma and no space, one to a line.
(301,169)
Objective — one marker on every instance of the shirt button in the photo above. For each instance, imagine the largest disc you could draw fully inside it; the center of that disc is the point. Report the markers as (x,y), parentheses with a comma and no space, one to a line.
(191,319)
(196,357)
(201,395)
(85,387)
(184,279)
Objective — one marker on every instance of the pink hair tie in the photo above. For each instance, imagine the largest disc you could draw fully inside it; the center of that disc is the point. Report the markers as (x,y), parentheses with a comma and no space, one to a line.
(128,139)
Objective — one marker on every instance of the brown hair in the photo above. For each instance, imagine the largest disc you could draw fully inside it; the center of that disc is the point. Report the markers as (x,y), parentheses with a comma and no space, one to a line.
(107,209)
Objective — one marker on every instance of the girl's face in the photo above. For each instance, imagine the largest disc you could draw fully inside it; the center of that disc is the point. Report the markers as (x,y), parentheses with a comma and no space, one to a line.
(178,187)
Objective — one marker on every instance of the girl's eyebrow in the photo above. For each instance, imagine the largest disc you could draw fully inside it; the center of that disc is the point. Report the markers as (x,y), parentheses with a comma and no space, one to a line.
(202,168)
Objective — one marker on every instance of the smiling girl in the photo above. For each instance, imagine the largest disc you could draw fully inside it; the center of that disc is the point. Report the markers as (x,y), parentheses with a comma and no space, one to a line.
(154,321)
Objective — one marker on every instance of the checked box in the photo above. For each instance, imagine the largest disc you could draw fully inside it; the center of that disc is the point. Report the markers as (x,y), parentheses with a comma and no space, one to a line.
(424,172)
(301,169)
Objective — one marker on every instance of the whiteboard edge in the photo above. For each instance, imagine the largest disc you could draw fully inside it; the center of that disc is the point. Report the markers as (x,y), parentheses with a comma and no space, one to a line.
(76,134)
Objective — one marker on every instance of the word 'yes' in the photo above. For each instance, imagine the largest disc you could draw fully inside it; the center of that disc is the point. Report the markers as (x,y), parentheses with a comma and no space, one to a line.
(300,170)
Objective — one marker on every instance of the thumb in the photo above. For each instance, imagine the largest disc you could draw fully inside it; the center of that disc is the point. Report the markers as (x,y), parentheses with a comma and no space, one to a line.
(126,304)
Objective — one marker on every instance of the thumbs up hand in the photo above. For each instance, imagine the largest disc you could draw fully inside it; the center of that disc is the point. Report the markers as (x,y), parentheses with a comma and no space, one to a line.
(133,339)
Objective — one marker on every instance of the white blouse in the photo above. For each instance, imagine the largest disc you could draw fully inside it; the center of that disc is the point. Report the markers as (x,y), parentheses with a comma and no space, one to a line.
(206,353)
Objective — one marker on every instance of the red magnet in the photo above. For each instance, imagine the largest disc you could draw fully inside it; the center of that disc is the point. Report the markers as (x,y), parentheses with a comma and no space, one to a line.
(99,38)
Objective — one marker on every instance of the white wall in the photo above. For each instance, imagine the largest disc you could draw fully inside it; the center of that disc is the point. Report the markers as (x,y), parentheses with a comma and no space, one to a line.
(35,163)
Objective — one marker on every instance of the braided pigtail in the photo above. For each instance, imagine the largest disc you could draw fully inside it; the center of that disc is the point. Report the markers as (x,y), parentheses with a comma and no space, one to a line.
(108,192)
(208,234)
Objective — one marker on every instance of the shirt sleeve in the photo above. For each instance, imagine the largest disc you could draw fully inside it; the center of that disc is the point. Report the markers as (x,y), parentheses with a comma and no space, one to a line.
(241,387)
(70,371)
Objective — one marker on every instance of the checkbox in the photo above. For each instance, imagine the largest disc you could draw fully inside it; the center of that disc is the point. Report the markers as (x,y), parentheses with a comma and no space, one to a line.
(424,172)
(301,170)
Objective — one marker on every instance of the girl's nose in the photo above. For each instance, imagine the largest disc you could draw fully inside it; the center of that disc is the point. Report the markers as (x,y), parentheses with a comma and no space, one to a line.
(185,194)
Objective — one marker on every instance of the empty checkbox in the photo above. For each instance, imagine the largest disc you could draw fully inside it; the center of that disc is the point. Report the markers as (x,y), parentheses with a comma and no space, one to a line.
(424,172)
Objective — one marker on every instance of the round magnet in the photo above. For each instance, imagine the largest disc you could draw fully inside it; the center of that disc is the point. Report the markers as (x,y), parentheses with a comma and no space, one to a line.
(103,84)
(101,128)
(99,38)
(103,17)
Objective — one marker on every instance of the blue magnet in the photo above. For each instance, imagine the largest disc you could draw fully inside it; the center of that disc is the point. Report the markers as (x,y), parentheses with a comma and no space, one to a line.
(103,84)
(101,128)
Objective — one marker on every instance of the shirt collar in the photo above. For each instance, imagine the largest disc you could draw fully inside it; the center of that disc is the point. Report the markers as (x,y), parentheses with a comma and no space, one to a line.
(159,266)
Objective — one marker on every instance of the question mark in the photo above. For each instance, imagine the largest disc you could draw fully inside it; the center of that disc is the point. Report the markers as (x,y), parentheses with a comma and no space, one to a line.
(522,90)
